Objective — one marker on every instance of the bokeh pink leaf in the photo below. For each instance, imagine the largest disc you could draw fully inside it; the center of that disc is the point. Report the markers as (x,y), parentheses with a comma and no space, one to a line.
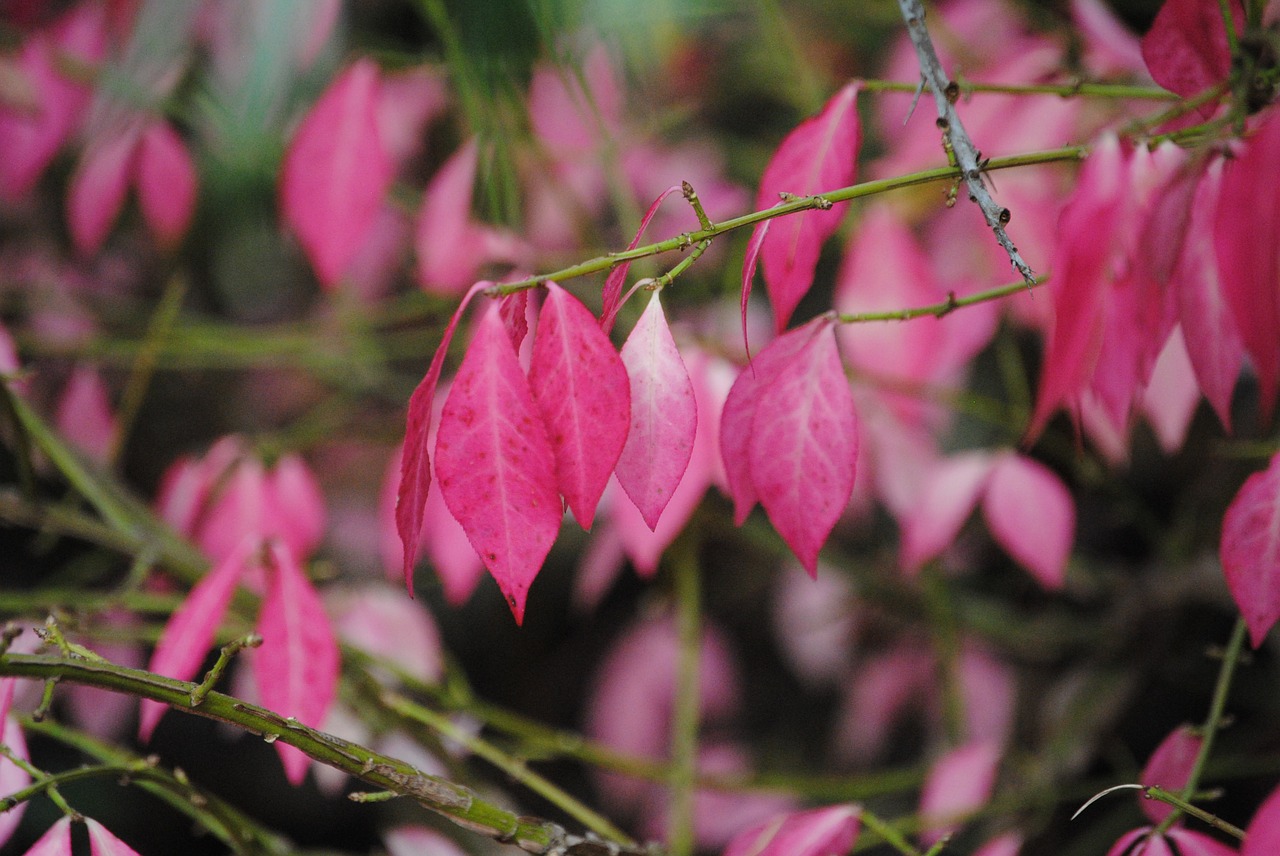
(1250,550)
(829,831)
(103,843)
(1169,767)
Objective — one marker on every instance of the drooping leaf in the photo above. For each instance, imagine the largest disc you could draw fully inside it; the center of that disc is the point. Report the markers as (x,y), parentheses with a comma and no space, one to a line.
(166,182)
(1262,838)
(1031,514)
(580,386)
(98,188)
(84,414)
(295,505)
(821,154)
(1250,550)
(958,783)
(515,317)
(189,632)
(664,415)
(1186,48)
(749,261)
(55,842)
(829,831)
(336,172)
(1169,767)
(238,510)
(103,843)
(415,464)
(804,443)
(612,292)
(495,464)
(296,669)
(946,500)
(12,777)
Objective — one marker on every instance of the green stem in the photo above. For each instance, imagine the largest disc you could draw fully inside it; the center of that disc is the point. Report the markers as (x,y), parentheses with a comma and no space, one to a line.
(688,696)
(942,308)
(1228,22)
(946,645)
(1065,90)
(1184,806)
(890,834)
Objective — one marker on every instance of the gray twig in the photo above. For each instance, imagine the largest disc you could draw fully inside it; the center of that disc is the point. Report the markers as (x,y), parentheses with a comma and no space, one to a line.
(967,157)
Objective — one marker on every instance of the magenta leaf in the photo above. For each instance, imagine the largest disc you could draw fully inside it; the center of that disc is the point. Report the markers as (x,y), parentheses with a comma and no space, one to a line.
(296,669)
(944,504)
(664,415)
(1031,514)
(103,843)
(829,831)
(821,154)
(190,630)
(55,842)
(515,316)
(804,443)
(98,188)
(1263,835)
(1250,550)
(1186,48)
(957,784)
(415,465)
(12,777)
(580,386)
(335,172)
(166,182)
(495,464)
(749,260)
(612,293)
(295,505)
(1169,767)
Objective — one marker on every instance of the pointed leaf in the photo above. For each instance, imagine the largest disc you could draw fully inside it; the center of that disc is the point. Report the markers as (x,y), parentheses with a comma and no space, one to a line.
(581,390)
(612,292)
(296,669)
(1263,835)
(295,505)
(55,842)
(664,415)
(804,444)
(1031,513)
(415,464)
(336,172)
(818,832)
(749,260)
(103,843)
(944,504)
(1250,550)
(1186,48)
(957,784)
(166,181)
(12,777)
(1169,767)
(189,632)
(515,316)
(98,188)
(496,465)
(821,154)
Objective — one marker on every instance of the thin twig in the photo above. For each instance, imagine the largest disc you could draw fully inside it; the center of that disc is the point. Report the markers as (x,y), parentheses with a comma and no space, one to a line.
(968,158)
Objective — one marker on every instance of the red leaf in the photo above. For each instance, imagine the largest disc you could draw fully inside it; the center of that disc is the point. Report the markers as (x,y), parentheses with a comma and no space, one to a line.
(335,172)
(103,843)
(827,831)
(754,245)
(1169,767)
(612,292)
(804,443)
(945,502)
(580,386)
(664,415)
(1031,514)
(190,630)
(415,465)
(98,188)
(1250,550)
(55,842)
(296,669)
(821,154)
(166,181)
(1263,835)
(1186,48)
(496,465)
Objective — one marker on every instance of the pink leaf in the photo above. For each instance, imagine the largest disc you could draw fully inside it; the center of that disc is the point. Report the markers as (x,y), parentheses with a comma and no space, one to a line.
(749,260)
(55,842)
(1263,835)
(335,172)
(84,414)
(1186,48)
(190,630)
(12,777)
(612,293)
(166,181)
(496,465)
(103,843)
(1169,767)
(415,465)
(1250,550)
(1031,513)
(238,512)
(818,832)
(515,317)
(821,154)
(957,784)
(580,386)
(804,444)
(296,669)
(945,502)
(664,415)
(98,188)
(295,505)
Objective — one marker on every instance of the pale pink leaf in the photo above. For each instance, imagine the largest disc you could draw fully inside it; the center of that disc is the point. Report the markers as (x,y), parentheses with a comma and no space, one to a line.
(1169,767)
(296,669)
(55,842)
(419,841)
(189,632)
(336,172)
(166,182)
(1186,48)
(829,831)
(664,415)
(612,292)
(945,502)
(821,154)
(1031,514)
(959,783)
(1004,845)
(580,387)
(448,255)
(804,443)
(1171,396)
(495,464)
(1109,46)
(415,463)
(103,843)
(1191,843)
(12,777)
(84,414)
(98,188)
(749,261)
(1263,835)
(294,505)
(386,624)
(1250,550)
(239,510)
